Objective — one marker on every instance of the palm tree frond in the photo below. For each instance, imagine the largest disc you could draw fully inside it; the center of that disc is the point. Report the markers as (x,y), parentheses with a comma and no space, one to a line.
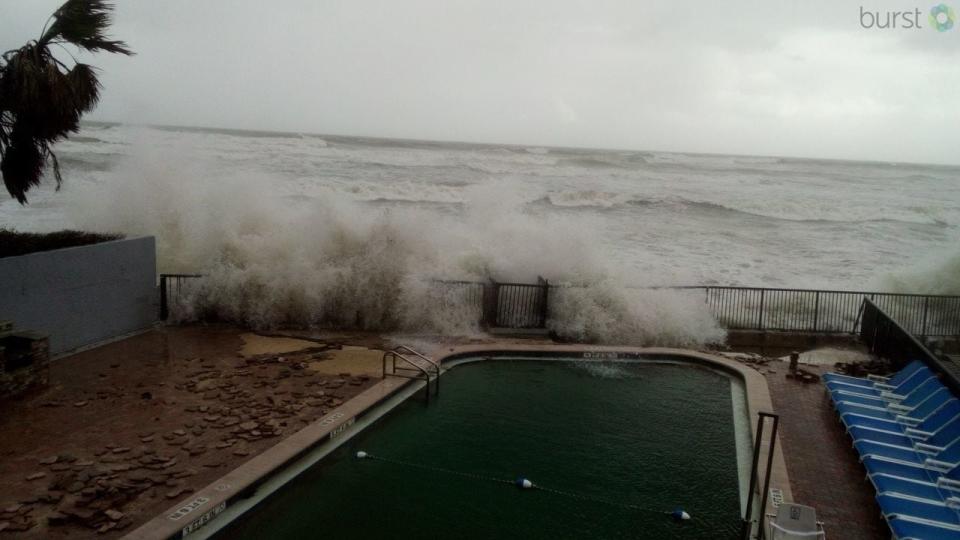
(22,166)
(42,99)
(83,83)
(84,23)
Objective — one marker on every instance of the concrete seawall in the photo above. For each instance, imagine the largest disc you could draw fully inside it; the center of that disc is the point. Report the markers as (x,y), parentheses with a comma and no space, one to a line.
(81,295)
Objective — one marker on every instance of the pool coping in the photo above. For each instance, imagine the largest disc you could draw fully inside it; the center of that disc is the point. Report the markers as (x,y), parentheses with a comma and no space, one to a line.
(188,516)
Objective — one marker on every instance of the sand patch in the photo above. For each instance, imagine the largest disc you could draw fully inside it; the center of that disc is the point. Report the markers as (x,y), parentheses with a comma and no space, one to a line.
(349,359)
(829,356)
(254,344)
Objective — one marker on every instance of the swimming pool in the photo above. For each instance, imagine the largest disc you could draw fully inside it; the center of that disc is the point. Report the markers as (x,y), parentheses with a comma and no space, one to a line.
(616,445)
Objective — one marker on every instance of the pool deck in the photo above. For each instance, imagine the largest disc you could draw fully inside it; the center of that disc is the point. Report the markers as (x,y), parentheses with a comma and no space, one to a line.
(844,501)
(825,471)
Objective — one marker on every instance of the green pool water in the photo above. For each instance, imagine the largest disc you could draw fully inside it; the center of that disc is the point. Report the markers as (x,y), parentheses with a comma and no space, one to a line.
(630,440)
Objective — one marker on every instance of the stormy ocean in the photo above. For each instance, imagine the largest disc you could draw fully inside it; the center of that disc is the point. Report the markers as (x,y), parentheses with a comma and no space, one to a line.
(293,224)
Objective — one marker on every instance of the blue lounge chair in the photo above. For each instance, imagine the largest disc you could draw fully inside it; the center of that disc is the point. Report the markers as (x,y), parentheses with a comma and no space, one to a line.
(944,487)
(904,453)
(943,514)
(910,407)
(903,434)
(918,466)
(917,394)
(875,381)
(905,529)
(898,391)
(886,420)
(897,394)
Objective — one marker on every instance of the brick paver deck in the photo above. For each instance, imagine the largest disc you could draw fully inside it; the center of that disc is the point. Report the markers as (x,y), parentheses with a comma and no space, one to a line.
(824,469)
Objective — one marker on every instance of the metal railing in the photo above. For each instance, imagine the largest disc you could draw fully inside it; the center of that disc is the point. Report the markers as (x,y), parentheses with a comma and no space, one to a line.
(826,311)
(746,530)
(171,286)
(506,305)
(416,370)
(887,338)
(527,305)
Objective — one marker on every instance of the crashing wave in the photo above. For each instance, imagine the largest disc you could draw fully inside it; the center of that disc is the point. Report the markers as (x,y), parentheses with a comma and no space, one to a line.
(270,261)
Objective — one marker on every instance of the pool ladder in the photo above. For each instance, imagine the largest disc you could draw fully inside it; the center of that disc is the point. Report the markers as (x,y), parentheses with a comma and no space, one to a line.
(413,365)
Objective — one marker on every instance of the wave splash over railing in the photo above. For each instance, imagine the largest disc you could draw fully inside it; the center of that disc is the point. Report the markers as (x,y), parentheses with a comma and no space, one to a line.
(579,312)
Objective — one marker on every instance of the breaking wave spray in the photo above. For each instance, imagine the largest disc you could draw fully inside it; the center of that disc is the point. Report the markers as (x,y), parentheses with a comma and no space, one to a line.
(275,258)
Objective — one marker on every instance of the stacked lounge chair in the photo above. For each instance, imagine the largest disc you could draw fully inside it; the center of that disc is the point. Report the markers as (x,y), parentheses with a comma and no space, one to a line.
(906,429)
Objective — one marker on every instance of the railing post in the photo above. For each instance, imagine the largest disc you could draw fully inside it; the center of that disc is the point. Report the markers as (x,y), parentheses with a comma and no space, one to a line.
(491,302)
(163,297)
(747,526)
(816,311)
(766,482)
(760,322)
(544,302)
(923,325)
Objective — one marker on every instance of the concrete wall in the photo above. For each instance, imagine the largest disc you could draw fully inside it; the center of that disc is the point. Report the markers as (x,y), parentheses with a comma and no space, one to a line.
(81,295)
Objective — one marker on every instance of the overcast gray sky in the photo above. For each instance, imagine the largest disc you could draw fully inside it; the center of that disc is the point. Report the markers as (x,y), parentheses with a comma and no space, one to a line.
(796,78)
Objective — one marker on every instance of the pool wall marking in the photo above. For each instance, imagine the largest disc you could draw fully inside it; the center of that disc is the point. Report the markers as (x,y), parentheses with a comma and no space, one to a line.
(256,479)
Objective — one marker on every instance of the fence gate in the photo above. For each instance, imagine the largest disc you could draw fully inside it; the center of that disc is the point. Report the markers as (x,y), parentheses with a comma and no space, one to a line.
(521,305)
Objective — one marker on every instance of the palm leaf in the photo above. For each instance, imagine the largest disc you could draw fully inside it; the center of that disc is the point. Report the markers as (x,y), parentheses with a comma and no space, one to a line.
(22,166)
(41,101)
(84,86)
(84,23)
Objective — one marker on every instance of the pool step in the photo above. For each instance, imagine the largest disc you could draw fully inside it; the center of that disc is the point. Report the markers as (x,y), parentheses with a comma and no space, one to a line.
(413,365)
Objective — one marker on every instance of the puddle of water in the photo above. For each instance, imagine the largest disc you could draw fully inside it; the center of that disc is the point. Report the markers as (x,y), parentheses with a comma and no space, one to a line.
(355,360)
(254,345)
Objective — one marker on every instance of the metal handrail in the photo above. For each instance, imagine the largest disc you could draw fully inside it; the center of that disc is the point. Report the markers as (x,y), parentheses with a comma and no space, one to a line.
(393,354)
(887,338)
(434,363)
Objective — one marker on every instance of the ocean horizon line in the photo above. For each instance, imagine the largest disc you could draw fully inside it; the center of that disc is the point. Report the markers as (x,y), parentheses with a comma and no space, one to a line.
(509,145)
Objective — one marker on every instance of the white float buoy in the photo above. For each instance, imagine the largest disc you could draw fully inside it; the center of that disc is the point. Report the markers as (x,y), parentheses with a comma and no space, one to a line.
(523,483)
(680,515)
(361,454)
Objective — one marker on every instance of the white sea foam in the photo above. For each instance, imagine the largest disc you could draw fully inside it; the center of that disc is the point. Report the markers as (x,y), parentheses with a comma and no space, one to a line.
(293,227)
(936,274)
(272,262)
(605,370)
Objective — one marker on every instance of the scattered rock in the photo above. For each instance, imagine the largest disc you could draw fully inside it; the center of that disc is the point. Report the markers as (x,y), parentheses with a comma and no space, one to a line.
(36,475)
(20,524)
(80,404)
(176,492)
(75,487)
(115,515)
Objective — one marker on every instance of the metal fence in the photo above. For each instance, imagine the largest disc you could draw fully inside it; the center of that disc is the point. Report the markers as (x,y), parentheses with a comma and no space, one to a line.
(827,311)
(889,339)
(505,305)
(171,287)
(527,305)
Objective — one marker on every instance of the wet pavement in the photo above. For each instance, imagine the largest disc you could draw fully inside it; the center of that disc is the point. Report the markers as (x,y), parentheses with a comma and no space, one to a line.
(127,429)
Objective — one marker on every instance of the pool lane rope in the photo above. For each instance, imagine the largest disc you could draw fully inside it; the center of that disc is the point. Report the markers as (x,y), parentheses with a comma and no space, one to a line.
(678,514)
